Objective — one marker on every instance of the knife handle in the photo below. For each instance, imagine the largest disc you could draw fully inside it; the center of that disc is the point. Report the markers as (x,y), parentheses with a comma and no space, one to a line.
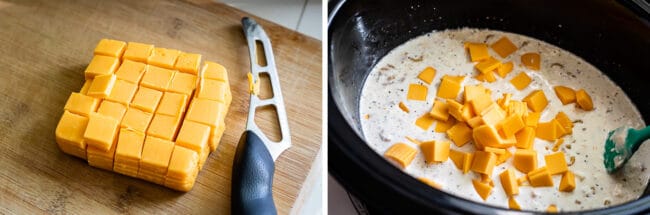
(252,177)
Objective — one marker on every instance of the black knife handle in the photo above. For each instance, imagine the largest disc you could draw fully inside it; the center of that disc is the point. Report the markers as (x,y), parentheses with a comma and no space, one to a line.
(252,177)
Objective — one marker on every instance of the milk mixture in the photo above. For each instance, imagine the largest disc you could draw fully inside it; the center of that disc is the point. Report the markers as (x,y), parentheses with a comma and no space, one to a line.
(385,124)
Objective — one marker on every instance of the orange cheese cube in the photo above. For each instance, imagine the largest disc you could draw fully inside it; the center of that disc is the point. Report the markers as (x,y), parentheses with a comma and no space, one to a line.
(475,122)
(457,157)
(128,152)
(481,104)
(70,134)
(401,154)
(81,104)
(424,122)
(172,104)
(496,151)
(472,92)
(156,154)
(443,126)
(215,136)
(131,71)
(450,86)
(484,162)
(403,107)
(417,92)
(517,108)
(503,157)
(138,51)
(584,100)
(511,125)
(531,61)
(435,151)
(536,101)
(467,163)
(101,131)
(455,109)
(100,158)
(504,69)
(113,48)
(146,99)
(525,138)
(521,81)
(552,209)
(85,87)
(164,126)
(532,119)
(509,182)
(482,189)
(486,135)
(540,177)
(546,131)
(467,113)
(493,115)
(565,94)
(214,71)
(488,65)
(568,183)
(157,78)
(504,47)
(525,160)
(218,90)
(504,101)
(162,57)
(512,203)
(460,134)
(565,122)
(112,109)
(430,182)
(205,111)
(489,77)
(188,63)
(183,166)
(183,83)
(555,163)
(101,65)
(477,51)
(194,136)
(102,86)
(427,75)
(136,119)
(440,110)
(122,92)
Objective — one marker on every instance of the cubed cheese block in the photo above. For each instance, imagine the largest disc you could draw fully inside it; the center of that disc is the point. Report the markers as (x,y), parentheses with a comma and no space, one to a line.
(101,131)
(556,163)
(188,63)
(450,86)
(565,94)
(525,160)
(532,119)
(435,151)
(417,92)
(102,86)
(138,51)
(502,158)
(584,100)
(131,71)
(427,75)
(504,69)
(481,104)
(565,122)
(157,78)
(504,47)
(112,109)
(521,81)
(401,153)
(525,138)
(477,51)
(162,57)
(146,99)
(108,47)
(484,162)
(457,157)
(482,189)
(540,178)
(511,125)
(486,135)
(70,134)
(443,126)
(488,66)
(568,183)
(493,115)
(424,122)
(101,65)
(536,100)
(472,92)
(531,61)
(460,134)
(81,104)
(509,182)
(440,110)
(127,121)
(512,203)
(552,209)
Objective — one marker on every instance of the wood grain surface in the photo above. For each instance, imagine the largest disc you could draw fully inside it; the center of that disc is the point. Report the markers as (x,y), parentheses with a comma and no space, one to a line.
(46,45)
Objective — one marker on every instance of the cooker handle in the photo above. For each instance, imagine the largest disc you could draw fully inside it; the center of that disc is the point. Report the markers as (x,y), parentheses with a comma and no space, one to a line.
(640,7)
(252,177)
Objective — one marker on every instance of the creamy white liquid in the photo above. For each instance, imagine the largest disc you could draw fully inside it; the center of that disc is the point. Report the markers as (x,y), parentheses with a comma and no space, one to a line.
(387,124)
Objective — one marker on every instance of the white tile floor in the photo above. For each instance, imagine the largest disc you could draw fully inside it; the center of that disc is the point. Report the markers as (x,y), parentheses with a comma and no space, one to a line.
(304,16)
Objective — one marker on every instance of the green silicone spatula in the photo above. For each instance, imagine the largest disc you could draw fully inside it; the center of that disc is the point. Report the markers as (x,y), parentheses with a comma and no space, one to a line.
(621,144)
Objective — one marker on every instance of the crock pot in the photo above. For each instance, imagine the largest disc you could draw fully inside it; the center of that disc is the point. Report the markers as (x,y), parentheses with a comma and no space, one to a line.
(607,34)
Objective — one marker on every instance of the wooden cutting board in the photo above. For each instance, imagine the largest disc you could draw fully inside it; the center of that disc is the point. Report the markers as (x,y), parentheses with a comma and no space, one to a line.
(44,48)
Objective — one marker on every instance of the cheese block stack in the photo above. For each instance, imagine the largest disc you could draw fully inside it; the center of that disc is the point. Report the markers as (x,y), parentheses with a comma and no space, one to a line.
(146,112)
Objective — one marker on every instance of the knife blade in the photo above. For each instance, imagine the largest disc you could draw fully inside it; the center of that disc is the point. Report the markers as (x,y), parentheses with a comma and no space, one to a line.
(253,167)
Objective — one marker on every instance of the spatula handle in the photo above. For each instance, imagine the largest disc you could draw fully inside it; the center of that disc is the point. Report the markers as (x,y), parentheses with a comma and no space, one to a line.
(252,177)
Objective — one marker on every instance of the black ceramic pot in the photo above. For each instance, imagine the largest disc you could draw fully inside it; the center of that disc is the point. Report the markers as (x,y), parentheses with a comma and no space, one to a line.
(606,34)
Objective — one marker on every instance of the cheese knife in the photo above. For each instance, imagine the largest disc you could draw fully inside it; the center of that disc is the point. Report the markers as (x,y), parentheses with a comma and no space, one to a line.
(253,167)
